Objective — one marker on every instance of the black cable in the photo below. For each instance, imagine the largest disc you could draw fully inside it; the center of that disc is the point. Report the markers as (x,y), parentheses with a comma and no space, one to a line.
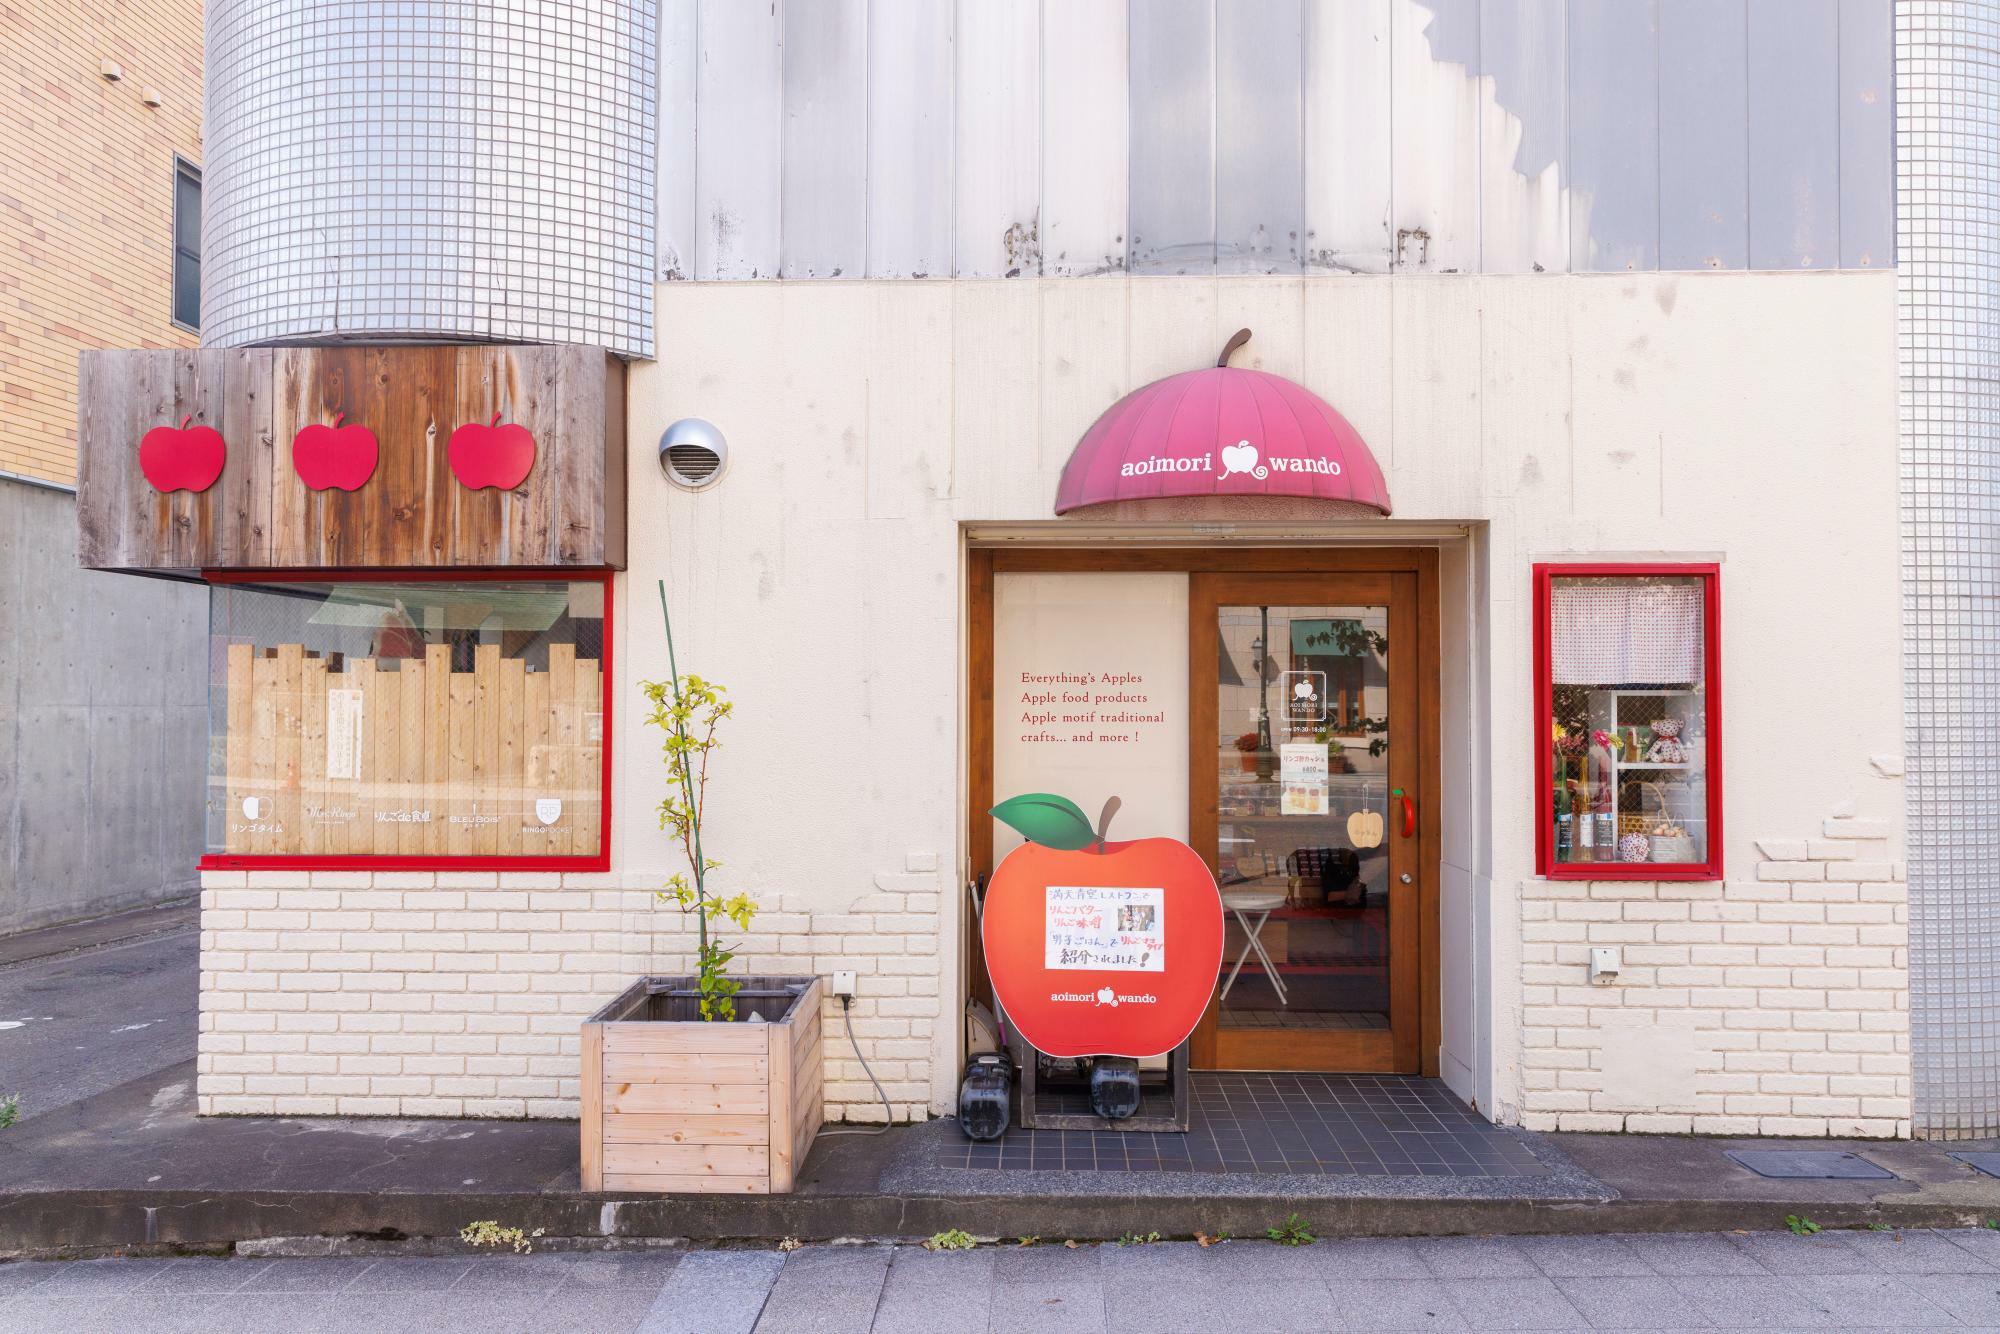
(888,1113)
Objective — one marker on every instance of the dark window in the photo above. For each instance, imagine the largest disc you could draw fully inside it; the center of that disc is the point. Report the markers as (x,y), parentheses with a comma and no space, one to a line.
(187,244)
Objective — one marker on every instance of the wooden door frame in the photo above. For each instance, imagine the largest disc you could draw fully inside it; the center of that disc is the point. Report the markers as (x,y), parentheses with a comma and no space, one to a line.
(983,563)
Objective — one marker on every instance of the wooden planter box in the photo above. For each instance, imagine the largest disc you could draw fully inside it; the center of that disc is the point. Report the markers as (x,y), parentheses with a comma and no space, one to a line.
(671,1103)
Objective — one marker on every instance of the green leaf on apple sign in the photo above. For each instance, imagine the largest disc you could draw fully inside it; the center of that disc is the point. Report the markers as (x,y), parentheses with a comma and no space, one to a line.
(1044,818)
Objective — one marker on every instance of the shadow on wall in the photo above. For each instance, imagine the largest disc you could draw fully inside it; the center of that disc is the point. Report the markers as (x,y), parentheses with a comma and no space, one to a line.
(103,724)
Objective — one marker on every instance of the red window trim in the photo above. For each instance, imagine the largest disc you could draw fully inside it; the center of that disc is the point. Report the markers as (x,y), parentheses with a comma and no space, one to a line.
(598,861)
(1545,862)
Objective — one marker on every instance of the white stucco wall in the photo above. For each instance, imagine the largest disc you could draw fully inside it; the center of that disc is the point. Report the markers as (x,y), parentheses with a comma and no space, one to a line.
(1747,418)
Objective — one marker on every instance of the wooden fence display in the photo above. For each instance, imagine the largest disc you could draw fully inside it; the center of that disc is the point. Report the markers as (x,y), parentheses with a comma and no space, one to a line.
(406,757)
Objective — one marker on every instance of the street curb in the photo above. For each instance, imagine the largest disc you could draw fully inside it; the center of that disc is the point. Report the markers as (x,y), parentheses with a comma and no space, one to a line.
(119,928)
(87,1222)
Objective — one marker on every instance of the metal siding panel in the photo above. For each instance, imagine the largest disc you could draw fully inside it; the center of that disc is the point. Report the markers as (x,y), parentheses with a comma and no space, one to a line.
(1614,135)
(1794,113)
(1867,134)
(1259,136)
(1347,140)
(998,225)
(1704,142)
(1524,137)
(1085,163)
(738,140)
(909,139)
(824,231)
(1434,190)
(1173,136)
(674,179)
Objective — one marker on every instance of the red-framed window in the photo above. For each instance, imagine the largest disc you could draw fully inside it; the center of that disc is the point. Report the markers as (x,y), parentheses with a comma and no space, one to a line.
(1628,722)
(409,720)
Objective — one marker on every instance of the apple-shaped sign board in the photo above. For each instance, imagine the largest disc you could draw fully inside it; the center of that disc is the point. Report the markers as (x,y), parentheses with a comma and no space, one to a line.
(488,454)
(334,456)
(182,458)
(1099,948)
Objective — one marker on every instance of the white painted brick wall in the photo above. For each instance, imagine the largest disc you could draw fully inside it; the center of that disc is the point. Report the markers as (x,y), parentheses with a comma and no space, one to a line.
(1777,1005)
(459,993)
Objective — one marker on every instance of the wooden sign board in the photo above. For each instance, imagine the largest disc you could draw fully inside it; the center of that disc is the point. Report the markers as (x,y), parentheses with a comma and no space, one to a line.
(411,512)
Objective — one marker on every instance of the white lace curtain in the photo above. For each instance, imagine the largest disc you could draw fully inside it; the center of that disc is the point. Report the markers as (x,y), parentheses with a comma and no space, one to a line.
(1614,631)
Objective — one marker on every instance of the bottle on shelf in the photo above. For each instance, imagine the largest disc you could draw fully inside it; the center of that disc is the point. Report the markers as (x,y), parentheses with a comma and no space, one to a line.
(1586,831)
(1565,823)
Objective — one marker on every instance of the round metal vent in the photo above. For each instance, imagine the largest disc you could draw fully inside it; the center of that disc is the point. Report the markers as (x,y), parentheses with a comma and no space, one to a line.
(693,453)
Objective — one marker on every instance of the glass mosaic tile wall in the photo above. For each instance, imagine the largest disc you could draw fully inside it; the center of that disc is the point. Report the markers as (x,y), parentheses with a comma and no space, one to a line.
(1948,235)
(443,169)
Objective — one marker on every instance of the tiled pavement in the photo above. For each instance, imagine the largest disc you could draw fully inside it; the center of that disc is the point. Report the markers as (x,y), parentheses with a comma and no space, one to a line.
(1313,1125)
(1846,1280)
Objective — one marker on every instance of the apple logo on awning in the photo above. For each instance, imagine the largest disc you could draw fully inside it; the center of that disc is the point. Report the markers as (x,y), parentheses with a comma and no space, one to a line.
(182,458)
(484,454)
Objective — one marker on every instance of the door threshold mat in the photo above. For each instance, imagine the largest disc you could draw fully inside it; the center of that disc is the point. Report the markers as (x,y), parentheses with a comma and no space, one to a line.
(1809,1165)
(1985,1160)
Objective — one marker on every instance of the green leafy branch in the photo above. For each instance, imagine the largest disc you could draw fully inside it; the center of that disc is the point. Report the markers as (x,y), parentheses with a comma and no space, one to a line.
(688,710)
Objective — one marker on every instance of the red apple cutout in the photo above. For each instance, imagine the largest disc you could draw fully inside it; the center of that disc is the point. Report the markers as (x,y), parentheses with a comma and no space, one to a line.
(1099,948)
(336,455)
(488,454)
(182,458)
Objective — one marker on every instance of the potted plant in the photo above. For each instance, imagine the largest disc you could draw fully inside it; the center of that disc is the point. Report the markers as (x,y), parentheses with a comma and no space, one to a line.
(1246,746)
(711,1082)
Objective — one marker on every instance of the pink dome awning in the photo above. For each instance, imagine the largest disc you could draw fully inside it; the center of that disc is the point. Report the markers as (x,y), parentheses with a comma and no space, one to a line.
(1221,432)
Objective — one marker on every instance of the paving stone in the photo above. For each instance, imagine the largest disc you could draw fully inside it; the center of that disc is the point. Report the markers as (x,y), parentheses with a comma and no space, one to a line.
(1973,1298)
(924,1288)
(410,1274)
(1171,1257)
(201,1274)
(1513,1303)
(714,1292)
(424,1313)
(1411,1303)
(323,1276)
(1883,1301)
(1584,1257)
(646,1270)
(1749,1301)
(571,1310)
(1139,1305)
(234,1313)
(21,1275)
(1475,1257)
(1624,1302)
(826,1290)
(1826,1253)
(1347,1261)
(1046,1263)
(1030,1306)
(516,1273)
(1694,1253)
(1915,1251)
(90,1313)
(78,1277)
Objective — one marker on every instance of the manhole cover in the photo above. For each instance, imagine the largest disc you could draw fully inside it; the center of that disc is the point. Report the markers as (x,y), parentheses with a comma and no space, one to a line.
(1986,1160)
(1810,1164)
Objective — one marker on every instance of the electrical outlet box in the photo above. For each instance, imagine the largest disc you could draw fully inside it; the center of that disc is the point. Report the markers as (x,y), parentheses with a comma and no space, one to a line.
(1604,963)
(843,982)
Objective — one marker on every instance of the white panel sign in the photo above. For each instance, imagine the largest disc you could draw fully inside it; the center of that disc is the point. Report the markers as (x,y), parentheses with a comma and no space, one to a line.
(1094,926)
(343,733)
(1090,697)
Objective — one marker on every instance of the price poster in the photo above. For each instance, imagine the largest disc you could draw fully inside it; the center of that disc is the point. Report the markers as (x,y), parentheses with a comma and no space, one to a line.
(343,733)
(1106,927)
(1302,770)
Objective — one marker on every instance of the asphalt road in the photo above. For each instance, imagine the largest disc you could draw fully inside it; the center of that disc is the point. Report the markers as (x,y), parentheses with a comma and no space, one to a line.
(77,1024)
(1855,1280)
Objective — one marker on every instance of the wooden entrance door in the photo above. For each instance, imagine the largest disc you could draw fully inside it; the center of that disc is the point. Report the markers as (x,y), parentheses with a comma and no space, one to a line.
(1305,786)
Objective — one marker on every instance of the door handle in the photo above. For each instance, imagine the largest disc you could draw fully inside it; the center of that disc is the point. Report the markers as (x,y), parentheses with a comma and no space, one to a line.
(1409,811)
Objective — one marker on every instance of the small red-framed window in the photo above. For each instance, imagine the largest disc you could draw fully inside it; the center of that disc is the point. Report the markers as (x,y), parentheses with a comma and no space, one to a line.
(409,720)
(1628,722)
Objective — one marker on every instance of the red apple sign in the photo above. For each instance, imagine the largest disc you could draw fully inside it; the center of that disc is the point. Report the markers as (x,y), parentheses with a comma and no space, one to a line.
(336,455)
(182,458)
(489,454)
(1099,948)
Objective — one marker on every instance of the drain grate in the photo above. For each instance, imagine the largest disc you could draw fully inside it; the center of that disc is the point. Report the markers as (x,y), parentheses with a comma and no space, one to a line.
(1986,1160)
(1810,1165)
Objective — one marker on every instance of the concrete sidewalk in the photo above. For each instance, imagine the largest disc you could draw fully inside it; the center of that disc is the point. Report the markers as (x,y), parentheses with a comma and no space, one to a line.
(1863,1280)
(134,1167)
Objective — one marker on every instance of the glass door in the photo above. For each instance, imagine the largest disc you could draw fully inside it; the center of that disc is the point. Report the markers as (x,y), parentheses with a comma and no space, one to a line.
(1303,797)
